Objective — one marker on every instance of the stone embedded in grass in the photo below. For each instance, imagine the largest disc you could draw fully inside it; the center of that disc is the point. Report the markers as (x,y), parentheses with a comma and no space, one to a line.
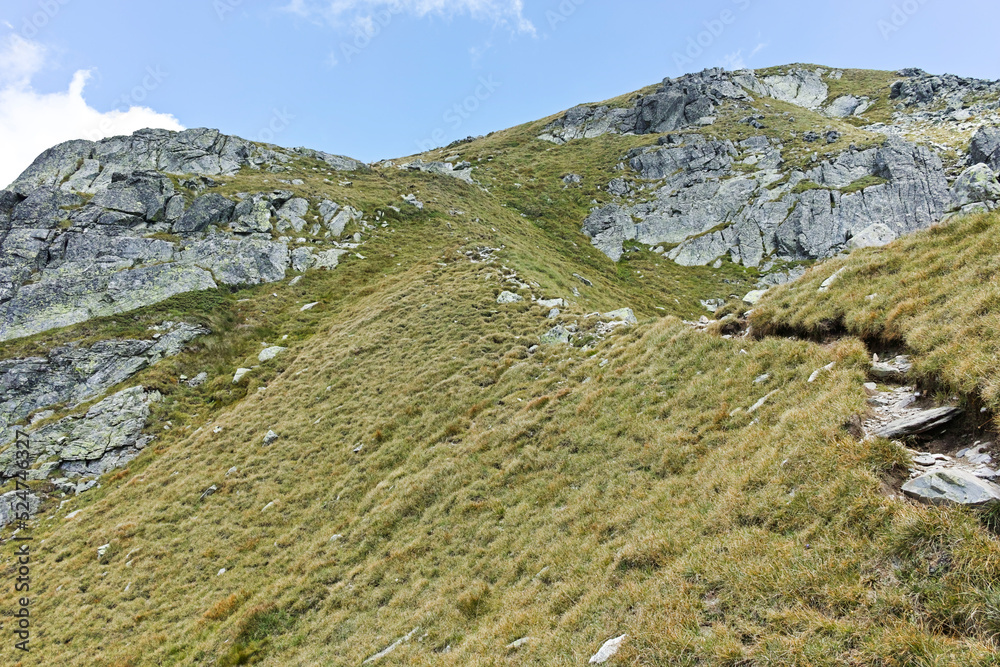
(759,404)
(509,297)
(103,549)
(952,487)
(270,438)
(920,422)
(270,353)
(815,375)
(389,649)
(553,314)
(557,334)
(607,651)
(198,380)
(240,374)
(891,370)
(518,643)
(828,283)
(210,491)
(551,303)
(622,314)
(753,297)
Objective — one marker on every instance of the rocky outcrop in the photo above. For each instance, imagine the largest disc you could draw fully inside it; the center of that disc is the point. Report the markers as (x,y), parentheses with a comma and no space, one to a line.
(707,209)
(136,242)
(687,101)
(920,89)
(952,487)
(89,166)
(335,162)
(802,87)
(108,436)
(72,374)
(460,170)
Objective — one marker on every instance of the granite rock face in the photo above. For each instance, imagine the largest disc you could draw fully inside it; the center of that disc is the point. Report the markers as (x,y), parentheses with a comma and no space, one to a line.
(98,228)
(689,100)
(108,436)
(72,374)
(88,166)
(695,199)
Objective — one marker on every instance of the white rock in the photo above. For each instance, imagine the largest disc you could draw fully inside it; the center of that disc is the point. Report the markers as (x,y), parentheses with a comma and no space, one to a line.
(608,651)
(221,572)
(74,514)
(270,353)
(623,314)
(753,297)
(103,549)
(817,373)
(509,297)
(308,306)
(831,280)
(240,374)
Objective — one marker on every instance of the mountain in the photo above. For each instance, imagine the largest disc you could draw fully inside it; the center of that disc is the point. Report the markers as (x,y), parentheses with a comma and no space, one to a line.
(703,374)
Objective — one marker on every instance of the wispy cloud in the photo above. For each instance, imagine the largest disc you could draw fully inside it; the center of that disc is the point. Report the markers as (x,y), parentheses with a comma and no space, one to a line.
(733,61)
(505,13)
(757,49)
(31,122)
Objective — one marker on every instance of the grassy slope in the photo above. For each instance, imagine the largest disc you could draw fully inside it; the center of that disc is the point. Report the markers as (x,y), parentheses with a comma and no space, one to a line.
(498,494)
(934,293)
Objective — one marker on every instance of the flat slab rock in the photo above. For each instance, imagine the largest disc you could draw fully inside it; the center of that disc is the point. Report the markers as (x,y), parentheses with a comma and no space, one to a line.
(952,487)
(919,422)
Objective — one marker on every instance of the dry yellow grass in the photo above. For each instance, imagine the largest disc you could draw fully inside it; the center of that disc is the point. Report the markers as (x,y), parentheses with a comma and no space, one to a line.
(431,473)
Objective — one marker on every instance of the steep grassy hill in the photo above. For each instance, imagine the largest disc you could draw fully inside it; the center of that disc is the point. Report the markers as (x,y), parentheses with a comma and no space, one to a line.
(438,479)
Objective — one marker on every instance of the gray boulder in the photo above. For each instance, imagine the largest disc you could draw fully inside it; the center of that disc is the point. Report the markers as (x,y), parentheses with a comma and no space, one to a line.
(210,209)
(195,151)
(142,194)
(291,215)
(509,297)
(952,487)
(252,215)
(336,162)
(302,259)
(978,183)
(556,335)
(17,504)
(690,100)
(985,147)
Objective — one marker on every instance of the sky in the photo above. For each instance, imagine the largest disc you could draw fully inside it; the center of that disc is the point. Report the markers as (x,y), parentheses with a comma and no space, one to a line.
(378,79)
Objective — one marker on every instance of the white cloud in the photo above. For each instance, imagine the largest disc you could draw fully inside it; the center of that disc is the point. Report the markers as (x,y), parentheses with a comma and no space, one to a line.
(31,122)
(507,13)
(733,61)
(757,49)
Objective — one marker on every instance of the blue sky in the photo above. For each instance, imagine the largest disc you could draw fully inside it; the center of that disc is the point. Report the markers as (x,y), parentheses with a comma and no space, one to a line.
(381,78)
